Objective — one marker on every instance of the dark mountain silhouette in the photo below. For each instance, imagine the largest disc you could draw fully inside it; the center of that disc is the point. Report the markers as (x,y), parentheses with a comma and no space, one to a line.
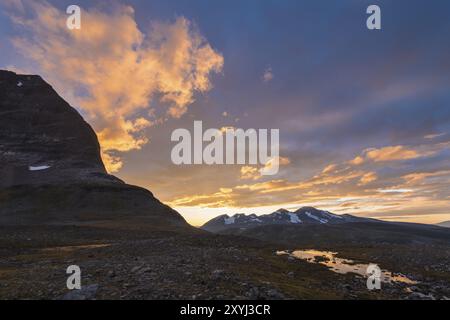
(50,164)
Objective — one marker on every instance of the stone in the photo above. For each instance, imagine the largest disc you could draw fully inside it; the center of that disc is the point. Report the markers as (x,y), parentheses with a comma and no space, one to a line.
(85,293)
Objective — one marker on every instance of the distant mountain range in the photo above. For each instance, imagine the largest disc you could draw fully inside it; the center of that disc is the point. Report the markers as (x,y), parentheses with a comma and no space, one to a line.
(303,216)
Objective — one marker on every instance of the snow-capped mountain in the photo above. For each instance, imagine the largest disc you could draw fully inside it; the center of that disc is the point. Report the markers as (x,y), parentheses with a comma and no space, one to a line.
(305,215)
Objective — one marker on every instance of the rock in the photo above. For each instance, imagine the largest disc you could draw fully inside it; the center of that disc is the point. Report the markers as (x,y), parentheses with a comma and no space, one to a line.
(420,296)
(347,287)
(145,270)
(85,293)
(274,294)
(217,274)
(135,269)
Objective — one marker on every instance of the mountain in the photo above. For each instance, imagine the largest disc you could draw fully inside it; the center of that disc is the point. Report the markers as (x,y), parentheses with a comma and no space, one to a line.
(445,224)
(302,216)
(50,164)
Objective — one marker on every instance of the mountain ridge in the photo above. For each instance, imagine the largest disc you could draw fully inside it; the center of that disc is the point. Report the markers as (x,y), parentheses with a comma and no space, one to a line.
(302,216)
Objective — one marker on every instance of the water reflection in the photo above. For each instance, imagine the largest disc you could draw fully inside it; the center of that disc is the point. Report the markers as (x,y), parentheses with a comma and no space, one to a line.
(343,266)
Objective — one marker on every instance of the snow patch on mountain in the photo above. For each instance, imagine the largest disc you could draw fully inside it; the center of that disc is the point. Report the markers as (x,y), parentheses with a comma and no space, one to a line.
(316,218)
(229,220)
(331,215)
(294,218)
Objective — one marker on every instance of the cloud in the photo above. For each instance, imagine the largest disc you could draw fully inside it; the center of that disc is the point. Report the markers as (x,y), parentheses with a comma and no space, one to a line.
(249,172)
(268,75)
(357,161)
(391,153)
(434,135)
(223,198)
(329,168)
(421,178)
(253,173)
(368,178)
(115,72)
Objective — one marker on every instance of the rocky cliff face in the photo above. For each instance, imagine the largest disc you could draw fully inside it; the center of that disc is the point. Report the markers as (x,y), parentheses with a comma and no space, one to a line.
(50,165)
(42,138)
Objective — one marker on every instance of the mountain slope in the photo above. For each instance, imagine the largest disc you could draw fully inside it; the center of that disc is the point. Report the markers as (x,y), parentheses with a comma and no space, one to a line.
(51,166)
(445,224)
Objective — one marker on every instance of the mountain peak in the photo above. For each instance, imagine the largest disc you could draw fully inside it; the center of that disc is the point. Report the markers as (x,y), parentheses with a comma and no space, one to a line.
(42,138)
(282,210)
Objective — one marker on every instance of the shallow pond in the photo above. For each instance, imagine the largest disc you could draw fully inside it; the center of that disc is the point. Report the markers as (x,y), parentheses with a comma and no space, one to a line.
(343,266)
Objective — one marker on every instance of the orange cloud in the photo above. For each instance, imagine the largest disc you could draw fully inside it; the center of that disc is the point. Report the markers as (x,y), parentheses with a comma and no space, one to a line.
(223,198)
(253,173)
(368,178)
(114,76)
(249,172)
(393,153)
(420,177)
(329,168)
(357,161)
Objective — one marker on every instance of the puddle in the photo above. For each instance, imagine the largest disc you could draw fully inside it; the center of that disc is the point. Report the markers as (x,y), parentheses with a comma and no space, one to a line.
(343,266)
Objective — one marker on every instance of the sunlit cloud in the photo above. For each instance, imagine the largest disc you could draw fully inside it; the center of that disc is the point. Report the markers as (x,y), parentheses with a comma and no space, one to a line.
(390,153)
(268,75)
(395,190)
(329,168)
(255,173)
(434,135)
(417,178)
(222,198)
(368,178)
(249,172)
(114,71)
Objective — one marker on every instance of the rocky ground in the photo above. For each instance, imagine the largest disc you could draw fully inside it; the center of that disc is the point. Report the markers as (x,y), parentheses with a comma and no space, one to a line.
(136,264)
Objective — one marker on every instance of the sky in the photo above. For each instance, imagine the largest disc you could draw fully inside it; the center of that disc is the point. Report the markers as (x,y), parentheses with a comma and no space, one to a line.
(363,115)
